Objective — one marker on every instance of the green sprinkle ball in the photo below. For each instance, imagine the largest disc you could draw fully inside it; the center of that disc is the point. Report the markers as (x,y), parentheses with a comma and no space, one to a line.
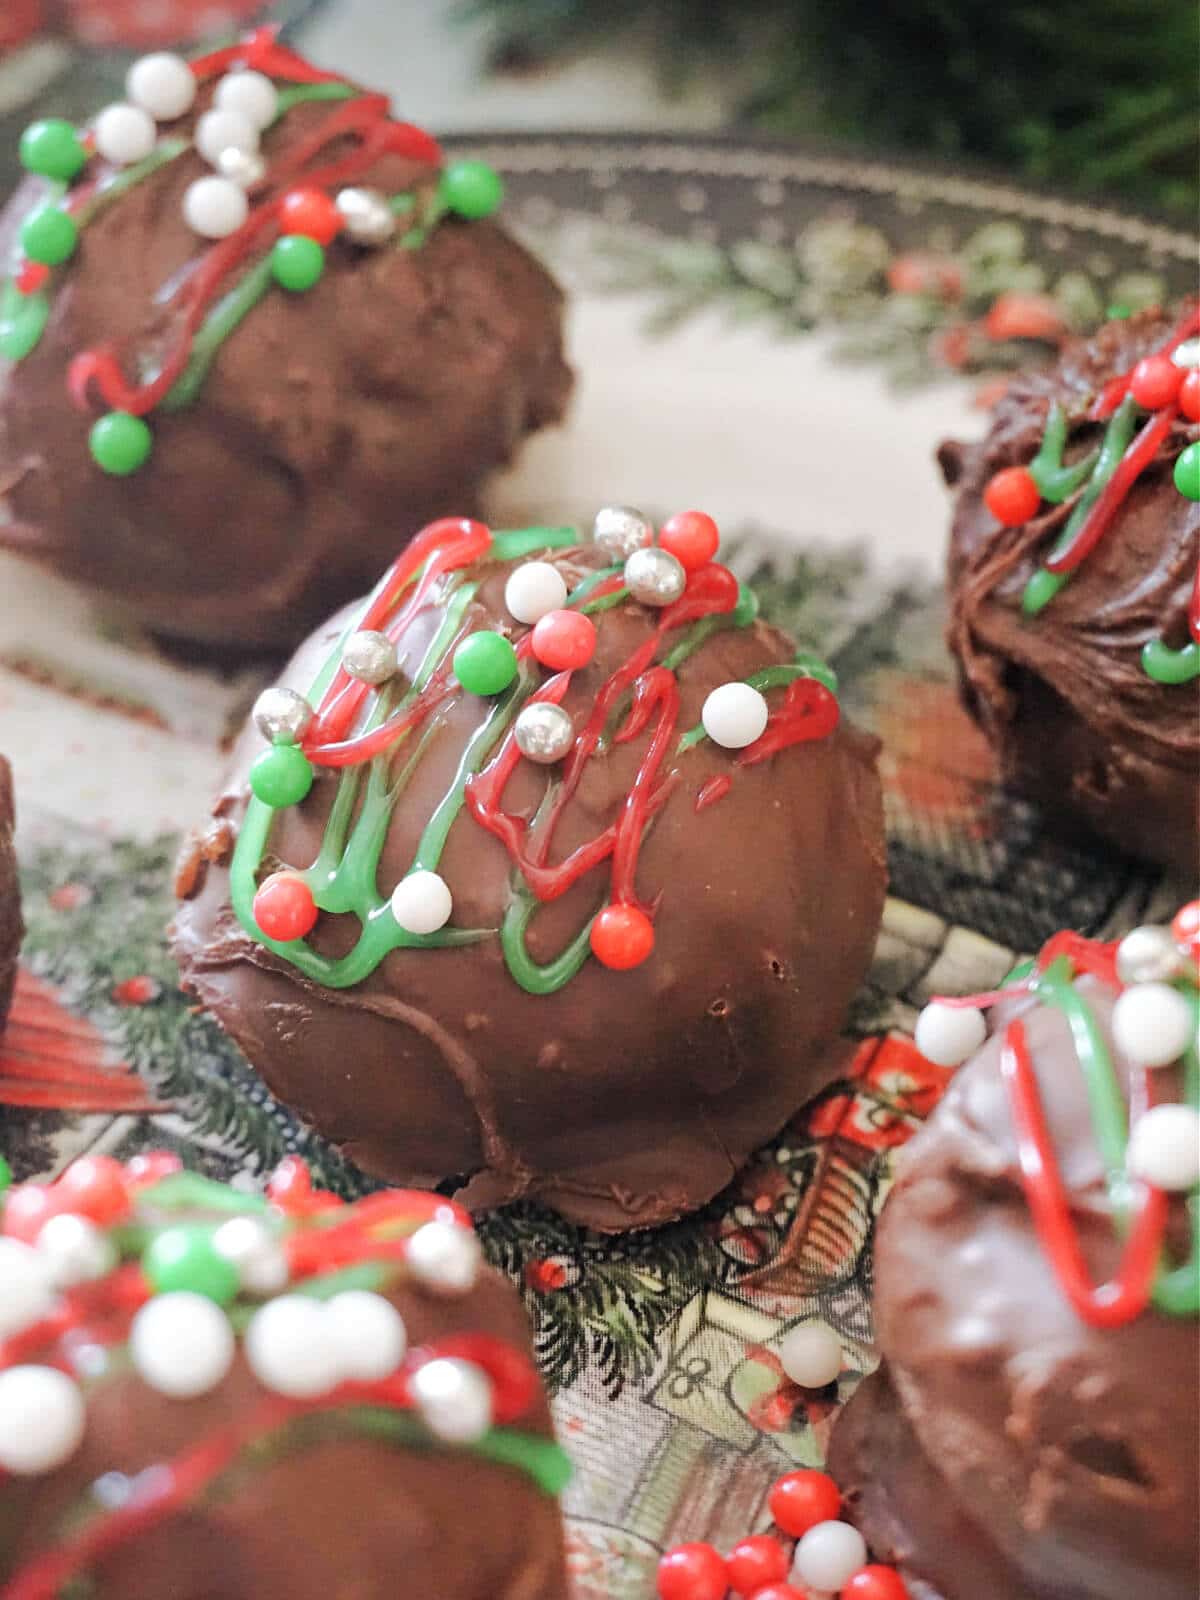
(5,1174)
(1118,311)
(297,262)
(49,236)
(1187,472)
(52,149)
(120,443)
(183,1257)
(485,663)
(471,189)
(281,776)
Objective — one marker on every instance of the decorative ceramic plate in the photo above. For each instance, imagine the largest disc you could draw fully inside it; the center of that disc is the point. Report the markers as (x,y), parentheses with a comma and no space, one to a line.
(781,338)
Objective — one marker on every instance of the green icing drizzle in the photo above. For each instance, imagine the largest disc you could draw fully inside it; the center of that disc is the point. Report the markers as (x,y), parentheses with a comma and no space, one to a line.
(226,316)
(1055,482)
(192,1191)
(23,319)
(1177,1289)
(305,93)
(1044,585)
(804,666)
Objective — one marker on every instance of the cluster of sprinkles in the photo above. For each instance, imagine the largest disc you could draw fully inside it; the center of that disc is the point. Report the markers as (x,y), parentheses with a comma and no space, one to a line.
(1165,386)
(829,1557)
(367,720)
(147,1266)
(1150,1147)
(269,220)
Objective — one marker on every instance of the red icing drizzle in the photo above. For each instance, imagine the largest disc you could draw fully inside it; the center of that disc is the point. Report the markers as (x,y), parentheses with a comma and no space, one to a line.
(364,119)
(1132,464)
(715,789)
(1127,1294)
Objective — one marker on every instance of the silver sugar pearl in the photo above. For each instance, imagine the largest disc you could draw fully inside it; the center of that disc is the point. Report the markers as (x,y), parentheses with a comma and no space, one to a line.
(370,657)
(282,714)
(544,733)
(1187,354)
(1149,955)
(367,217)
(245,167)
(620,530)
(655,577)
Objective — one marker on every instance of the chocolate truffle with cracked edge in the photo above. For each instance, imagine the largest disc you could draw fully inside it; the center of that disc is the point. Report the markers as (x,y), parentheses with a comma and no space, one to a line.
(623,1098)
(11,927)
(331,425)
(1063,695)
(348,1497)
(1006,1448)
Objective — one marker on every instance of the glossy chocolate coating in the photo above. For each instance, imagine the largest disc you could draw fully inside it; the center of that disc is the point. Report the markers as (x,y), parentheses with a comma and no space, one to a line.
(626,1098)
(1062,695)
(1007,1448)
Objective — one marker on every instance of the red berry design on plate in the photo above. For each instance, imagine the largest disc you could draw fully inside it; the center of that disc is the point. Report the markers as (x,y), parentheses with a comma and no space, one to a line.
(622,937)
(1012,496)
(1155,382)
(691,537)
(692,1572)
(754,1562)
(803,1498)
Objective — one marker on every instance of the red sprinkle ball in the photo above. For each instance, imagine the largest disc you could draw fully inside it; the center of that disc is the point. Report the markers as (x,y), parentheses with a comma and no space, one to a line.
(692,1572)
(96,1187)
(691,537)
(310,212)
(30,277)
(1155,382)
(1012,496)
(757,1567)
(564,640)
(622,937)
(755,1562)
(284,907)
(1189,395)
(801,1499)
(1185,929)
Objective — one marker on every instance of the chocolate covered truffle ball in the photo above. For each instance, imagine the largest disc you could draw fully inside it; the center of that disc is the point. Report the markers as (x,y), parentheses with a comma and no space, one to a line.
(10,895)
(209,1392)
(1075,612)
(1034,1431)
(255,334)
(557,872)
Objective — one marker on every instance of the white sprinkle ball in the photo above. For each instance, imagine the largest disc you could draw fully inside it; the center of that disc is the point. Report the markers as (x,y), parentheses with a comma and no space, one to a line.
(1187,354)
(734,715)
(251,94)
(124,134)
(948,1035)
(251,1246)
(1164,1148)
(162,84)
(1148,955)
(26,1287)
(218,131)
(829,1555)
(368,1334)
(42,1418)
(422,902)
(292,1349)
(534,589)
(366,215)
(243,167)
(181,1343)
(444,1257)
(1152,1024)
(811,1355)
(215,207)
(454,1398)
(75,1250)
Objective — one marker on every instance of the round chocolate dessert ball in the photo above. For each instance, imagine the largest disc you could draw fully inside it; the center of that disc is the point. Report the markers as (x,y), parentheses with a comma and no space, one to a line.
(1075,613)
(282,335)
(205,1391)
(566,892)
(11,927)
(1033,1431)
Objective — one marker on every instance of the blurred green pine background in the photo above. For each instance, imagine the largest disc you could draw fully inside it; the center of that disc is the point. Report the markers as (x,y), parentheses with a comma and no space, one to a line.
(1102,96)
